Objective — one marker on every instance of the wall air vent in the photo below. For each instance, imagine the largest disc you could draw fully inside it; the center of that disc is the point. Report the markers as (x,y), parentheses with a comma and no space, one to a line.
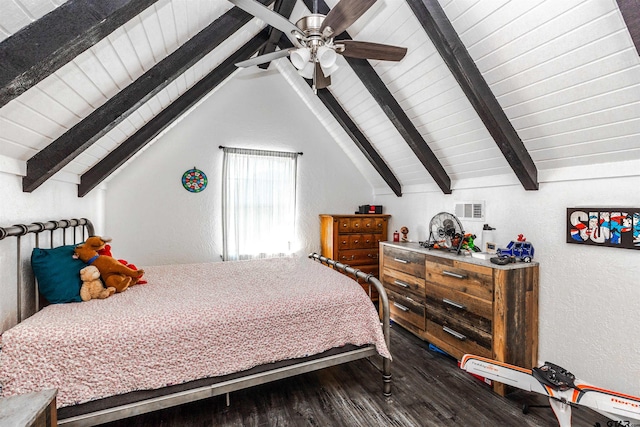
(473,211)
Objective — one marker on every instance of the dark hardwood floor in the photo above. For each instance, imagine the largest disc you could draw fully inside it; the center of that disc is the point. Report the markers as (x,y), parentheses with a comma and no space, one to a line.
(428,390)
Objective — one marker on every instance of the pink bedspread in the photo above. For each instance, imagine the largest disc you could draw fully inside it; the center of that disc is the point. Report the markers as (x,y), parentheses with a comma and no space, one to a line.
(189,322)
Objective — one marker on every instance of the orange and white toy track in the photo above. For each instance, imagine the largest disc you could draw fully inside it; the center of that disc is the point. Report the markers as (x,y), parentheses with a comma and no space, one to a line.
(560,385)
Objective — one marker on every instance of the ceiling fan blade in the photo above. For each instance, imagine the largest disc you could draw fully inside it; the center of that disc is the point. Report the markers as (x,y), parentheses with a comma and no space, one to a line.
(345,13)
(270,17)
(321,81)
(368,50)
(262,59)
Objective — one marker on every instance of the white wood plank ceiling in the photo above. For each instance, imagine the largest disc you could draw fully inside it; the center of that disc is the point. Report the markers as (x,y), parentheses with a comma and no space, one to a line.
(565,72)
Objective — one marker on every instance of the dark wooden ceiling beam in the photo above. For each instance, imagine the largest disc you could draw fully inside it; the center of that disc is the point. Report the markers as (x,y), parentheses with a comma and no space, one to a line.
(125,151)
(455,54)
(42,47)
(631,14)
(394,111)
(284,8)
(401,121)
(67,147)
(360,140)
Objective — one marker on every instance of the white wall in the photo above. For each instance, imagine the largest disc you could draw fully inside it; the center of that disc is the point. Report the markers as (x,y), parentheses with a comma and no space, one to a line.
(54,200)
(589,296)
(153,220)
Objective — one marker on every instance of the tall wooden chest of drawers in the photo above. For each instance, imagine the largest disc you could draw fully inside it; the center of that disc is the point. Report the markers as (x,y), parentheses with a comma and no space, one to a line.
(463,304)
(354,240)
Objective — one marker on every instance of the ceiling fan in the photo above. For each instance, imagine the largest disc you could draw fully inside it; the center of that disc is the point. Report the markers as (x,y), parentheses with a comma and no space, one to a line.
(315,52)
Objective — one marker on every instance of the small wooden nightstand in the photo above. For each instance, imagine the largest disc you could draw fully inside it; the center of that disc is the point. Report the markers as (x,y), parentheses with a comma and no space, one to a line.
(32,409)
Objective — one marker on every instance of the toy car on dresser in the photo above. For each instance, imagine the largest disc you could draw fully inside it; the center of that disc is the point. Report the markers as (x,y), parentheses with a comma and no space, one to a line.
(520,250)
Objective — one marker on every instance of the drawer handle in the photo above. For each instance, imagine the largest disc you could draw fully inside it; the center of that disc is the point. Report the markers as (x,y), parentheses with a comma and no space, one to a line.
(458,335)
(400,306)
(403,261)
(374,256)
(399,283)
(454,304)
(452,274)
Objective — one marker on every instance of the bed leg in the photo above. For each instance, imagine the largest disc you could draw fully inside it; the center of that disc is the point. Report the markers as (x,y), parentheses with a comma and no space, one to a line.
(228,400)
(386,377)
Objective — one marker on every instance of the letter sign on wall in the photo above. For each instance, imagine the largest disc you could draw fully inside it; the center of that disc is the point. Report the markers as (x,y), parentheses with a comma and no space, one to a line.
(613,227)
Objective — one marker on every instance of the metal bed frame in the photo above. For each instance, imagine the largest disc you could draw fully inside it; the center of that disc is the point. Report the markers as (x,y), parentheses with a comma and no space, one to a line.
(224,385)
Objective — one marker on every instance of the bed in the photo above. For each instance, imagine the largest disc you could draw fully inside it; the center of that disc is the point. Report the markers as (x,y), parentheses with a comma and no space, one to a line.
(192,332)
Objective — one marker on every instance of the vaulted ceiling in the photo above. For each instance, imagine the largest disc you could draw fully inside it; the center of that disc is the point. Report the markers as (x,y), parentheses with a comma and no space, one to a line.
(489,91)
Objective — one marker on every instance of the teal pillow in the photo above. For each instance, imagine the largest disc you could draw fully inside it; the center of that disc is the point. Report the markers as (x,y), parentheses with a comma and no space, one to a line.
(58,273)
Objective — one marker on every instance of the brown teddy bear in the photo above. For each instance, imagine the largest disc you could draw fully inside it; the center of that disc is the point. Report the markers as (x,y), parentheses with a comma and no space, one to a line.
(92,287)
(113,273)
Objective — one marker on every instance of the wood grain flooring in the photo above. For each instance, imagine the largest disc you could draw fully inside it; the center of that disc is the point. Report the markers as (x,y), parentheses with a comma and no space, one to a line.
(428,390)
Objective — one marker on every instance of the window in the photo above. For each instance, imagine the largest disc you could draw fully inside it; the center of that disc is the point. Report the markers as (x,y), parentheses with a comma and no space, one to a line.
(258,203)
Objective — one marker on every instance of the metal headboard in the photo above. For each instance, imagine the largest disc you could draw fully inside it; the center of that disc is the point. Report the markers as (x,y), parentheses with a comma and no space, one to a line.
(82,228)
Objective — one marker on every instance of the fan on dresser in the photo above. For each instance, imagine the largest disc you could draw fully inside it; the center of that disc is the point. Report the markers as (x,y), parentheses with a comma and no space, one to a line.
(445,232)
(315,52)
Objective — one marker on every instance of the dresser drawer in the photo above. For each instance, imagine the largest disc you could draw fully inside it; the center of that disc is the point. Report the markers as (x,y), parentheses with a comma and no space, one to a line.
(465,323)
(351,225)
(351,241)
(454,342)
(404,284)
(357,224)
(359,256)
(361,241)
(472,280)
(406,261)
(368,225)
(406,310)
(344,225)
(462,302)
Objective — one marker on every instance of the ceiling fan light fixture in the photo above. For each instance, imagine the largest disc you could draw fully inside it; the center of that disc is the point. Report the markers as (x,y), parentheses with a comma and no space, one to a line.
(300,58)
(327,71)
(307,70)
(326,56)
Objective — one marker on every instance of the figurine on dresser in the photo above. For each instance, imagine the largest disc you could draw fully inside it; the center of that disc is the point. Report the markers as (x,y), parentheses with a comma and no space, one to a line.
(405,232)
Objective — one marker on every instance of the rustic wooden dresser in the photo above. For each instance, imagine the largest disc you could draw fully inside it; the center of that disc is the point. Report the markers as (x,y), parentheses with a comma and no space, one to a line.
(463,304)
(354,240)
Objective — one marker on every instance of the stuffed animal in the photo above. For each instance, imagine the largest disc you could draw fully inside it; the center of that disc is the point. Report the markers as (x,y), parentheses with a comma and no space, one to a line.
(107,251)
(92,287)
(113,273)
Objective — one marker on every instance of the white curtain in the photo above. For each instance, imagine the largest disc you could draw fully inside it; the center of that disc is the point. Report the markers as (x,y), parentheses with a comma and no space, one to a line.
(258,203)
